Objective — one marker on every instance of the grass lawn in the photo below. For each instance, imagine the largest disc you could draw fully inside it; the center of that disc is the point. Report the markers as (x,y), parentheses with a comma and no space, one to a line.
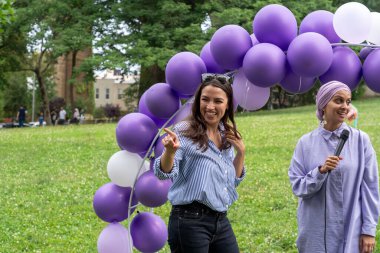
(49,176)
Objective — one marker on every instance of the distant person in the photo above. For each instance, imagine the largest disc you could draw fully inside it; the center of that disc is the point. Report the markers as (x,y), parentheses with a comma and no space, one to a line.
(41,119)
(76,116)
(62,117)
(53,118)
(81,117)
(21,115)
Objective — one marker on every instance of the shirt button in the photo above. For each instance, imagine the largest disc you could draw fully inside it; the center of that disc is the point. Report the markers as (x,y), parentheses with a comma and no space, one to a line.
(225,171)
(225,188)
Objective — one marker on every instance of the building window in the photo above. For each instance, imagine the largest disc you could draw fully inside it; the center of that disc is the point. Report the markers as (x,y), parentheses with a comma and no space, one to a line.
(120,93)
(117,72)
(97,93)
(107,93)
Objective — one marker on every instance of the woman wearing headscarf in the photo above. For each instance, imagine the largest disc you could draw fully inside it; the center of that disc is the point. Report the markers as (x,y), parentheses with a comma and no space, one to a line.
(338,206)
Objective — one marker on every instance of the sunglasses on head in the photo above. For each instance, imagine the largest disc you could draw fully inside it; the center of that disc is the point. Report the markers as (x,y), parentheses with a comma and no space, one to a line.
(222,78)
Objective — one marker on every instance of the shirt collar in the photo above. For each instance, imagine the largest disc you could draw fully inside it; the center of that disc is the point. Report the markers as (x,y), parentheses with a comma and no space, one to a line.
(328,134)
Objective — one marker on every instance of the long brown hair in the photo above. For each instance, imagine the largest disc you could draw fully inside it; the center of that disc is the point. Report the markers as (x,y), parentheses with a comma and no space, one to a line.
(197,130)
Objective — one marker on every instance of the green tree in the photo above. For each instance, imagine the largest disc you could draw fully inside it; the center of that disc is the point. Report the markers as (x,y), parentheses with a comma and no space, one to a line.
(48,29)
(153,32)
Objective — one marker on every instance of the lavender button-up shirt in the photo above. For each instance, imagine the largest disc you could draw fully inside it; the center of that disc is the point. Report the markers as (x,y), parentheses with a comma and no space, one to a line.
(335,209)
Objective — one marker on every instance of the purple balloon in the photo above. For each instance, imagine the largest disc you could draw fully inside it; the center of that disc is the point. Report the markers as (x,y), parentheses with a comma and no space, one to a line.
(310,54)
(135,132)
(111,202)
(114,238)
(143,108)
(275,24)
(264,65)
(211,65)
(159,147)
(345,67)
(184,73)
(371,68)
(228,46)
(294,83)
(364,52)
(162,101)
(149,232)
(151,163)
(151,191)
(320,22)
(248,95)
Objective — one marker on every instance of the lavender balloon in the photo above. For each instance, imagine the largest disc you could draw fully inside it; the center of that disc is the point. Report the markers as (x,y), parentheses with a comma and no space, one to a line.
(275,24)
(211,65)
(149,232)
(294,83)
(371,68)
(264,65)
(229,45)
(320,22)
(184,113)
(345,67)
(114,238)
(135,132)
(162,101)
(248,95)
(310,54)
(151,191)
(184,73)
(111,202)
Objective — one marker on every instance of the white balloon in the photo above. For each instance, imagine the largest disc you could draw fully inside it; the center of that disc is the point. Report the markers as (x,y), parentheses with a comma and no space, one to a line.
(352,22)
(123,167)
(374,33)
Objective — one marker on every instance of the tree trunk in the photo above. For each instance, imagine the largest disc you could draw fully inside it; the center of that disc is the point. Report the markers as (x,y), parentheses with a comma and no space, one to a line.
(149,76)
(72,79)
(44,96)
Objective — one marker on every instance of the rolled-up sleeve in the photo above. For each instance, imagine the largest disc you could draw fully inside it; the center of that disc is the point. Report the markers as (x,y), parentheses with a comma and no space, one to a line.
(304,183)
(370,191)
(162,175)
(239,179)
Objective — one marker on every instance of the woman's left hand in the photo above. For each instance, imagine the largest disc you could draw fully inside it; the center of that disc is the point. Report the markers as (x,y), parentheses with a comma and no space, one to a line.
(366,244)
(237,143)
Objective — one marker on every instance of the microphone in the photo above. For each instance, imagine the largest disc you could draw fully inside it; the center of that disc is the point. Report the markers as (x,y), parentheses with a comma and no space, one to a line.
(343,138)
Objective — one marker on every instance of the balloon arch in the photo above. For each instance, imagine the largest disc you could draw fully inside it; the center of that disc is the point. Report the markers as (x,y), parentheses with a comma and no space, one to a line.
(277,53)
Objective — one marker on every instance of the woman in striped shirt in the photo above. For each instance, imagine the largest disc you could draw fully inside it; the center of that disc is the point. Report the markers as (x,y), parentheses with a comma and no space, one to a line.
(199,158)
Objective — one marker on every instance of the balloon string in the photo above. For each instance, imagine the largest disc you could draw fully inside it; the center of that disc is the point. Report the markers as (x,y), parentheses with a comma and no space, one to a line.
(189,101)
(246,94)
(299,87)
(354,44)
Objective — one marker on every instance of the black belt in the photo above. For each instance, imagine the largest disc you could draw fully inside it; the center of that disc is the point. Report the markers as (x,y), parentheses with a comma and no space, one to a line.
(197,207)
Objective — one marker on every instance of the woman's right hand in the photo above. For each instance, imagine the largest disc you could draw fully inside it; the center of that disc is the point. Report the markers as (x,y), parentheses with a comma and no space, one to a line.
(330,164)
(170,141)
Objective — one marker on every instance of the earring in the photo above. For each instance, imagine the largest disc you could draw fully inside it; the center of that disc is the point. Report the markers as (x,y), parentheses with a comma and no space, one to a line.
(324,122)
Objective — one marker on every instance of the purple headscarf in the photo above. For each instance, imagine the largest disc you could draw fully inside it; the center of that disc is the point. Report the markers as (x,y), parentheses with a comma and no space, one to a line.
(325,93)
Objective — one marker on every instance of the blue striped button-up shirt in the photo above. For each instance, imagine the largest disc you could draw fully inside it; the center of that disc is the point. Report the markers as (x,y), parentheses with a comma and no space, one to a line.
(343,204)
(208,177)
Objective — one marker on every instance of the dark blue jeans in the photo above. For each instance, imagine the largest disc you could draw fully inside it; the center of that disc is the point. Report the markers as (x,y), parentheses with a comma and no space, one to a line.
(200,230)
